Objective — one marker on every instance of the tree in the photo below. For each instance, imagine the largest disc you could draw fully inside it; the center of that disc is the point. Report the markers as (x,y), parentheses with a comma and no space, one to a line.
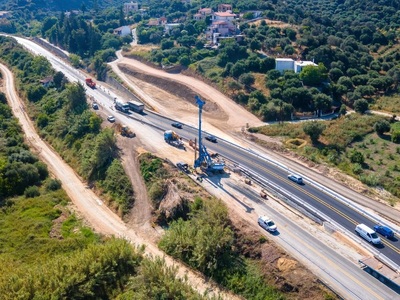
(246,79)
(35,93)
(267,64)
(356,157)
(313,129)
(238,69)
(361,106)
(342,110)
(346,81)
(184,60)
(58,79)
(234,86)
(382,126)
(335,74)
(322,102)
(255,45)
(312,75)
(77,97)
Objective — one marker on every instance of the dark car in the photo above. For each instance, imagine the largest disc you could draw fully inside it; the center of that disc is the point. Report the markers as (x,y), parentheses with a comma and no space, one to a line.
(384,230)
(95,106)
(183,166)
(177,125)
(211,138)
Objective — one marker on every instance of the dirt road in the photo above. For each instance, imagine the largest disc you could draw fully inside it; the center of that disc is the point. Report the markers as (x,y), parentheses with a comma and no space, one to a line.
(97,214)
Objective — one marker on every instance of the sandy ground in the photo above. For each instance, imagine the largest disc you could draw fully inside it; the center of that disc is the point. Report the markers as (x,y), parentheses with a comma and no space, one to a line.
(234,116)
(92,208)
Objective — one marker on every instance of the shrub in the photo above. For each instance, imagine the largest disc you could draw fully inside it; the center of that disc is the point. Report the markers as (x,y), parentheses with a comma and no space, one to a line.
(53,185)
(382,126)
(361,106)
(356,157)
(31,192)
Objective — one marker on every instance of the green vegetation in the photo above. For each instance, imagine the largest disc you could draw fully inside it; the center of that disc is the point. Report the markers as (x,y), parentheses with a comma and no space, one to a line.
(64,120)
(206,242)
(47,253)
(154,175)
(359,145)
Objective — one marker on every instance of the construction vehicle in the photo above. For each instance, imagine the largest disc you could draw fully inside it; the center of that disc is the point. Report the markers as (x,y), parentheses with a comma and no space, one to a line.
(172,138)
(124,130)
(136,106)
(204,160)
(90,83)
(121,106)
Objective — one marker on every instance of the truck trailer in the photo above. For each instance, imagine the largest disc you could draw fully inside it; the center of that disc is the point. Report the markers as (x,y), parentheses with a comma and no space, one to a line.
(136,106)
(121,106)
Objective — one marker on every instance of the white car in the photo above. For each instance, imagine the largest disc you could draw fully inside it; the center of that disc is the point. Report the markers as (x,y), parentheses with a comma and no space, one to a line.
(267,223)
(111,119)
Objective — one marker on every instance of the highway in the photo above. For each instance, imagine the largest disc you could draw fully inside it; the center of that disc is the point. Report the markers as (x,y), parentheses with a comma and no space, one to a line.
(323,202)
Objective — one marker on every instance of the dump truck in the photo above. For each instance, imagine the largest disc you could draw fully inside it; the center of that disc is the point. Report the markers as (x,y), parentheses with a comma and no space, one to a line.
(136,106)
(172,138)
(121,106)
(90,83)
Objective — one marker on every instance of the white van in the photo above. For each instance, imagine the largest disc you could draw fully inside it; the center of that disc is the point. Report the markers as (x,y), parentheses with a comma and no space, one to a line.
(296,178)
(368,234)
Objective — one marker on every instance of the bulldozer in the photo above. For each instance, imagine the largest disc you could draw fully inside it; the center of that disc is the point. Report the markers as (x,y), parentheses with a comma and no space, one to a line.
(124,130)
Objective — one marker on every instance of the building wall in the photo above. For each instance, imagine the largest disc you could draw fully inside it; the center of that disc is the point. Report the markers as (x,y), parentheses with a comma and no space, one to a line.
(284,65)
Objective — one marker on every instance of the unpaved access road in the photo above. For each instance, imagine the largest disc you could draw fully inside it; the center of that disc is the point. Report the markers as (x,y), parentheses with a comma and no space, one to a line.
(97,214)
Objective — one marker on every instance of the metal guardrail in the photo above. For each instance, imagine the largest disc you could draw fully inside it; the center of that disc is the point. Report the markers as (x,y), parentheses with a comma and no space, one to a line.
(314,213)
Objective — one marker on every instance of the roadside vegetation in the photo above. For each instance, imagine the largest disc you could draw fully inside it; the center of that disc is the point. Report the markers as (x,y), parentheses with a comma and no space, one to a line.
(199,232)
(363,146)
(63,119)
(46,251)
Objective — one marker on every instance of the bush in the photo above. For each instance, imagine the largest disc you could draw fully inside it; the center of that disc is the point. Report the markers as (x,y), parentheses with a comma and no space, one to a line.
(361,106)
(382,126)
(31,192)
(157,191)
(53,185)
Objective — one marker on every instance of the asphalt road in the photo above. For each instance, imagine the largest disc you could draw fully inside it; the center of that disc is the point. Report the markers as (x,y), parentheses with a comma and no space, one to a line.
(343,215)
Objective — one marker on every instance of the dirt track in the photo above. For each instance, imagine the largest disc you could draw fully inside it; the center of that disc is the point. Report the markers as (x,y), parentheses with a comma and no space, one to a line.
(98,215)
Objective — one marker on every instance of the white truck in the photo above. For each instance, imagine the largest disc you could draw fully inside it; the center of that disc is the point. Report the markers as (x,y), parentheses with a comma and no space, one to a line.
(121,106)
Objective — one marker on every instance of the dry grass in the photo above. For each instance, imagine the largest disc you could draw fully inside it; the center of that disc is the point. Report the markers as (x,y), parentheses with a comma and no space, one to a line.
(387,104)
(259,83)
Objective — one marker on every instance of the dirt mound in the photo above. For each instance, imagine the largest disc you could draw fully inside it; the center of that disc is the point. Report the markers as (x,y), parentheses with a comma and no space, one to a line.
(177,89)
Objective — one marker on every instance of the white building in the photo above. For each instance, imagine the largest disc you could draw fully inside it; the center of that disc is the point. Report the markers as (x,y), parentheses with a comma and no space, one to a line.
(288,64)
(168,27)
(131,6)
(284,64)
(122,31)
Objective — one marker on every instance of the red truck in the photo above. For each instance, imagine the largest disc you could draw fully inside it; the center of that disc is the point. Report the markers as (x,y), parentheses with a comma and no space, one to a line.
(90,83)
